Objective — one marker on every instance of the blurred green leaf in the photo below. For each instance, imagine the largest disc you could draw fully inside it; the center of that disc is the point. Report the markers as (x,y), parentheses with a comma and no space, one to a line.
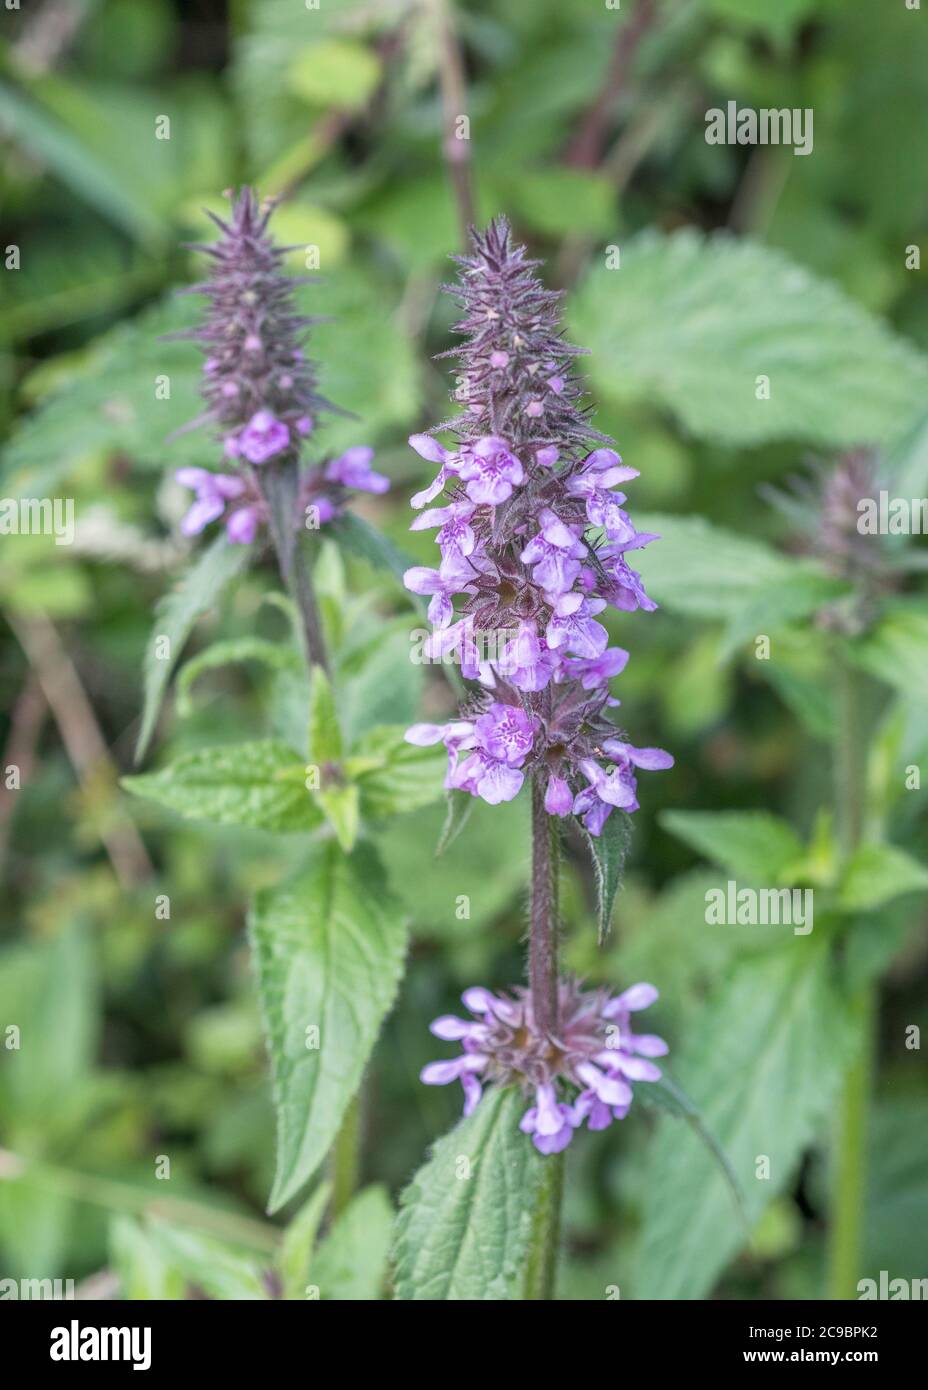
(351,1262)
(299,1238)
(763,1068)
(394,776)
(752,845)
(206,1263)
(876,874)
(607,851)
(690,323)
(329,947)
(175,615)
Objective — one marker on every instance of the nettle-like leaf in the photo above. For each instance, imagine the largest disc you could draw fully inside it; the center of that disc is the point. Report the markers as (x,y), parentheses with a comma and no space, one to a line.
(329,948)
(261,784)
(175,615)
(394,776)
(763,1068)
(465,1221)
(752,845)
(689,323)
(207,1264)
(608,851)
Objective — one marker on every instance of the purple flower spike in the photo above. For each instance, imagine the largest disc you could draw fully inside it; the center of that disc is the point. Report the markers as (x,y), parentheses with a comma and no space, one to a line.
(586,1074)
(353,469)
(533,536)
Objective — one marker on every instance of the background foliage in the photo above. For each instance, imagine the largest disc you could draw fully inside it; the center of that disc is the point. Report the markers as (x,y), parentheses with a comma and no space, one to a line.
(144,1032)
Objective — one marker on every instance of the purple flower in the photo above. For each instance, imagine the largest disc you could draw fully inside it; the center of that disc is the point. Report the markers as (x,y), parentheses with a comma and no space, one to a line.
(490,470)
(442,585)
(353,469)
(587,1076)
(213,492)
(525,660)
(559,799)
(455,538)
(555,553)
(263,437)
(506,733)
(573,628)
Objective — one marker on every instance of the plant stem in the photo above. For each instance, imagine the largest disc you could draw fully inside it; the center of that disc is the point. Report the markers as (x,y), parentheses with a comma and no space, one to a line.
(849,1152)
(281,487)
(346,1156)
(541,1270)
(455,143)
(542,946)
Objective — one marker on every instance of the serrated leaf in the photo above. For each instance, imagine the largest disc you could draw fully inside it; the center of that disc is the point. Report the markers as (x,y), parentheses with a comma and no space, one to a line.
(690,322)
(608,850)
(329,947)
(876,874)
(175,616)
(259,784)
(763,1063)
(752,845)
(465,1219)
(394,776)
(351,1262)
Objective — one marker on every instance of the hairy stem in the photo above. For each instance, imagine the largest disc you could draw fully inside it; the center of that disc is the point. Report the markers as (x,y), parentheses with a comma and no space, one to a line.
(280,485)
(542,948)
(849,1152)
(541,1268)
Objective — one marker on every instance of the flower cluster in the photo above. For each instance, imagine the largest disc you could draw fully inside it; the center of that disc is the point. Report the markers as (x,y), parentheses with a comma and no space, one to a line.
(259,386)
(534,540)
(584,1073)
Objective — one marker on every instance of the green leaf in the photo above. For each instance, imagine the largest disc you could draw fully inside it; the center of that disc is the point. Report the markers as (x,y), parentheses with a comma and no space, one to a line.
(752,845)
(459,804)
(465,1219)
(608,851)
(877,874)
(666,1095)
(260,784)
(762,1064)
(144,1271)
(329,947)
(335,72)
(206,1263)
(896,651)
(688,323)
(363,540)
(351,1263)
(230,652)
(325,739)
(175,616)
(796,596)
(707,571)
(394,776)
(299,1238)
